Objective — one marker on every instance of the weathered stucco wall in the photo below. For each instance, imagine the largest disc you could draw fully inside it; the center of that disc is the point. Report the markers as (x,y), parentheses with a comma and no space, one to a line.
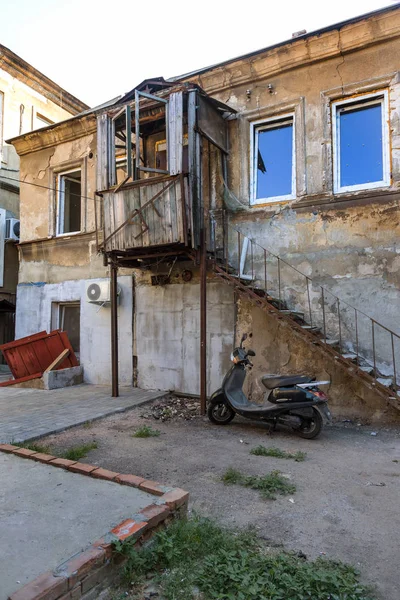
(168,335)
(280,350)
(34,313)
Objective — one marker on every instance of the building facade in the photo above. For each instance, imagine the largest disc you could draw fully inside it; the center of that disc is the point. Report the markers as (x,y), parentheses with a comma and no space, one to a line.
(28,101)
(301,197)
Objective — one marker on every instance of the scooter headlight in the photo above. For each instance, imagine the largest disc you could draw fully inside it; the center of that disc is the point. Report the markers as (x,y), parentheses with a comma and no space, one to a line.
(233,358)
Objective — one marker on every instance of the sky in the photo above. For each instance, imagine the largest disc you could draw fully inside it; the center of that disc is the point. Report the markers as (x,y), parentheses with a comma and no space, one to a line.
(97,50)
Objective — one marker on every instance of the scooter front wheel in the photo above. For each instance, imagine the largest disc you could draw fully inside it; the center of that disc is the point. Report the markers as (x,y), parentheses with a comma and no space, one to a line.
(219,413)
(311,427)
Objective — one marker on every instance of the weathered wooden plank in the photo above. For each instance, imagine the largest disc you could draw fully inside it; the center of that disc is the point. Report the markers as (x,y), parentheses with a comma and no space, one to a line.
(57,361)
(175,133)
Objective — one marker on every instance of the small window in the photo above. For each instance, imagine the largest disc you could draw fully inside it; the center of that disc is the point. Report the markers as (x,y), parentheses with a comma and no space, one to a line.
(69,202)
(273,161)
(69,315)
(1,123)
(361,140)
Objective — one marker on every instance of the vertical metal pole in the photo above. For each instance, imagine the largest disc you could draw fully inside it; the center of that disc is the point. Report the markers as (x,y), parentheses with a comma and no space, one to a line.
(252,260)
(323,312)
(309,301)
(203,322)
(340,328)
(357,359)
(394,364)
(265,272)
(114,328)
(279,282)
(373,346)
(239,255)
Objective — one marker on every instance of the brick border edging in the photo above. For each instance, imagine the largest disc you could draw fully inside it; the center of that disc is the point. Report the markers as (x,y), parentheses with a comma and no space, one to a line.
(86,570)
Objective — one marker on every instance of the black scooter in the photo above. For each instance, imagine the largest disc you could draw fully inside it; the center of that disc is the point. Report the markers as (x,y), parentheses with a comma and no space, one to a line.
(292,400)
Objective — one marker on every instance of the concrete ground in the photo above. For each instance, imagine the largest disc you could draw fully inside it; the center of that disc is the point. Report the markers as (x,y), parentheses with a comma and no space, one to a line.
(28,413)
(48,514)
(346,506)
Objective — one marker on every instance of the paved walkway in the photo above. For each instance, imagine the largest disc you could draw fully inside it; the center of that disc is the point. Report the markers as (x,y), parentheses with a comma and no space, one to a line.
(27,414)
(48,514)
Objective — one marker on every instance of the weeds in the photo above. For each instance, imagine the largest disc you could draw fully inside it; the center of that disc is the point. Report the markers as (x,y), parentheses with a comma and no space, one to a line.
(78,452)
(268,485)
(33,446)
(75,453)
(146,431)
(278,453)
(198,558)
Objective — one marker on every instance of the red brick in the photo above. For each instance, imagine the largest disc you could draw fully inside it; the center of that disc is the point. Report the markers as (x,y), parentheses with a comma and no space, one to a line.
(129,529)
(78,567)
(76,593)
(104,474)
(8,448)
(154,514)
(96,577)
(132,480)
(82,468)
(153,487)
(62,462)
(42,457)
(24,452)
(175,498)
(44,587)
(107,547)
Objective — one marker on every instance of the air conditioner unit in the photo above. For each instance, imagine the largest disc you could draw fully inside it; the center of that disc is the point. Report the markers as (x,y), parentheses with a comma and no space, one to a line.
(12,229)
(99,292)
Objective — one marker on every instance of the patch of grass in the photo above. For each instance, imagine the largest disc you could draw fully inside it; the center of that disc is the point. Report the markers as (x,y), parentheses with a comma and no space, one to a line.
(268,485)
(146,431)
(33,446)
(278,453)
(78,452)
(198,558)
(88,425)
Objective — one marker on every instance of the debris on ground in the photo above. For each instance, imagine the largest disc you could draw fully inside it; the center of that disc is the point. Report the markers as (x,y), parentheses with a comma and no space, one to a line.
(172,408)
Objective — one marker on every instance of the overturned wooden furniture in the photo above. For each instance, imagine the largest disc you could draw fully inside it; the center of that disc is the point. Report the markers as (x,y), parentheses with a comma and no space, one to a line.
(42,353)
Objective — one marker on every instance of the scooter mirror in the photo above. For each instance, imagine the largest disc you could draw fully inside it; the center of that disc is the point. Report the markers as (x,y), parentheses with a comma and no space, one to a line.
(251,353)
(244,337)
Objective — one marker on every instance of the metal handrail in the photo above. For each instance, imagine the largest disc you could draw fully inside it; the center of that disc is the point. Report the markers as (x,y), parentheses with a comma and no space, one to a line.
(338,302)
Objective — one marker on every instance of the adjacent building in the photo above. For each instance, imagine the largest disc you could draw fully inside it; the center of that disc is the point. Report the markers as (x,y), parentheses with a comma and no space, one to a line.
(283,167)
(28,101)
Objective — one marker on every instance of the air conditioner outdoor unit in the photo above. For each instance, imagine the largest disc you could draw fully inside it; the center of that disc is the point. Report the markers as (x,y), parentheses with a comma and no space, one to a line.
(99,292)
(12,229)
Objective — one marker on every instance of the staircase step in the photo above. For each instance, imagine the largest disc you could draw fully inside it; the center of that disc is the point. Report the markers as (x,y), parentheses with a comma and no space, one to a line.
(332,342)
(368,370)
(311,328)
(386,381)
(349,355)
(295,313)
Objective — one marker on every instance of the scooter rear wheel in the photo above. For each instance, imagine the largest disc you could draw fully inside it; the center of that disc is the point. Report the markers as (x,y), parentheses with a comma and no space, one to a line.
(219,413)
(310,428)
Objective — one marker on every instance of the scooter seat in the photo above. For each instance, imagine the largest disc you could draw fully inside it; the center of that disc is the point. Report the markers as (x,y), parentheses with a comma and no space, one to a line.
(274,381)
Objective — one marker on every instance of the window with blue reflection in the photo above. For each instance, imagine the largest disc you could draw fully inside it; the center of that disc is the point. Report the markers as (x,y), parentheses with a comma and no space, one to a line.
(361,147)
(274,161)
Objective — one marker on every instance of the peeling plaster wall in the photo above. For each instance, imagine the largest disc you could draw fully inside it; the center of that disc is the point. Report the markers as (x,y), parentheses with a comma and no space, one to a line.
(279,350)
(34,304)
(168,336)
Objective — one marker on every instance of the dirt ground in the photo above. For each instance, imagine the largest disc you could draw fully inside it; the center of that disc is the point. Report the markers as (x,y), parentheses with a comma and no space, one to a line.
(346,505)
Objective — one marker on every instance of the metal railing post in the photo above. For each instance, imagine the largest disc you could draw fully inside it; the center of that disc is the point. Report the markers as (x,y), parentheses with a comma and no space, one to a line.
(323,312)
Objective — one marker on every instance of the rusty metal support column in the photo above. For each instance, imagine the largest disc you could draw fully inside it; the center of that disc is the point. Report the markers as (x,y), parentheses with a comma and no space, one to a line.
(114,328)
(203,322)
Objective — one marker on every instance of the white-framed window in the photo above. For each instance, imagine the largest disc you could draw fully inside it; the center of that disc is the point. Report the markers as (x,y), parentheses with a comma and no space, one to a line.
(69,202)
(273,160)
(361,156)
(1,123)
(66,316)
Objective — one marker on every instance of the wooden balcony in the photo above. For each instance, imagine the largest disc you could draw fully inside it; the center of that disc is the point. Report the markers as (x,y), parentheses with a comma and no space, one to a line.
(148,214)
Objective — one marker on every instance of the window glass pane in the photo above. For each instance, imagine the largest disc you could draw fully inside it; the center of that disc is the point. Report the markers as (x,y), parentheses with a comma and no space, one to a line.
(70,322)
(274,161)
(361,150)
(70,202)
